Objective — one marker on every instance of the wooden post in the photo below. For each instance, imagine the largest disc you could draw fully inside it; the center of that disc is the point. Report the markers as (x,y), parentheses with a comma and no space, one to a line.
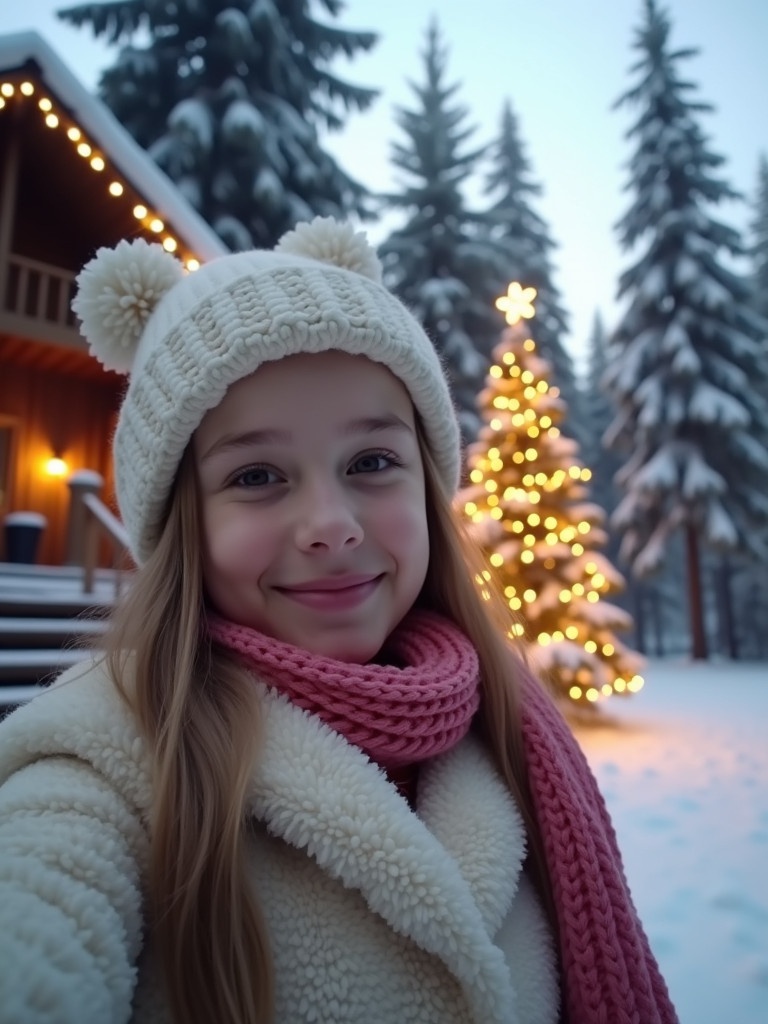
(83,481)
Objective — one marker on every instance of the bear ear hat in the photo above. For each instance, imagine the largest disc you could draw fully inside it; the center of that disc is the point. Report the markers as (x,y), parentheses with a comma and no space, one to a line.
(117,292)
(329,241)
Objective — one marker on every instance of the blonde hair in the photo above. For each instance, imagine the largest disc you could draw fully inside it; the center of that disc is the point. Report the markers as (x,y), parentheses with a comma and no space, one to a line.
(201,719)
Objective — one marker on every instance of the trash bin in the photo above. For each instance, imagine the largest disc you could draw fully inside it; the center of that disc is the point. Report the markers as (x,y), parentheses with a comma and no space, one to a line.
(22,536)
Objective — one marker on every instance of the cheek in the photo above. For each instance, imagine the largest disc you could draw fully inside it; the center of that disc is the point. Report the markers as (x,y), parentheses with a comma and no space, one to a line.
(235,542)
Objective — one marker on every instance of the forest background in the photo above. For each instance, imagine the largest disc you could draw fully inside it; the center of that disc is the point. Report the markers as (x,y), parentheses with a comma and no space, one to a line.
(541,88)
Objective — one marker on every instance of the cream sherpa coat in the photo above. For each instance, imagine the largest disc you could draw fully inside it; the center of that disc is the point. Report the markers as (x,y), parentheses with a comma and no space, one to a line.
(377,915)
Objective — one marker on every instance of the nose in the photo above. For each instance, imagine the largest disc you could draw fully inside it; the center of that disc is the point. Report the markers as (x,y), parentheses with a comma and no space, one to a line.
(327,521)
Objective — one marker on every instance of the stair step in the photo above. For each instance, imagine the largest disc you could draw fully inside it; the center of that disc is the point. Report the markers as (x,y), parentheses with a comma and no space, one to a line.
(28,631)
(52,605)
(37,663)
(12,696)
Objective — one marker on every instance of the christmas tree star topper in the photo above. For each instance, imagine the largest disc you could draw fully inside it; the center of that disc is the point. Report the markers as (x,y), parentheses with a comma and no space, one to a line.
(517,304)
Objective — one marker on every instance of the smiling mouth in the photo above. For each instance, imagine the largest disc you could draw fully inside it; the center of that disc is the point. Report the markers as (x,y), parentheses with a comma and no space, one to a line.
(332,595)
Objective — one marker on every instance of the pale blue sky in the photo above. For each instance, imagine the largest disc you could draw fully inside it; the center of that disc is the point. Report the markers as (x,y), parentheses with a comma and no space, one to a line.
(562,63)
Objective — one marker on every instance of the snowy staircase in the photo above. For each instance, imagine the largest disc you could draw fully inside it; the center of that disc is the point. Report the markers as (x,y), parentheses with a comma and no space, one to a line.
(47,623)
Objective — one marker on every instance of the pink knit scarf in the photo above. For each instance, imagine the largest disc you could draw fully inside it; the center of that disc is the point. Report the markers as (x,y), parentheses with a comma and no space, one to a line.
(396,715)
(405,715)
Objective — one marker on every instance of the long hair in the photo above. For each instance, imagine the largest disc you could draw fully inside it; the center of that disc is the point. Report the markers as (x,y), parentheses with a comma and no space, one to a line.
(200,716)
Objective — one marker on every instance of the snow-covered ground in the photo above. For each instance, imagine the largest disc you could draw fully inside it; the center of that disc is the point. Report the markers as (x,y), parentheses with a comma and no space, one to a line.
(684,769)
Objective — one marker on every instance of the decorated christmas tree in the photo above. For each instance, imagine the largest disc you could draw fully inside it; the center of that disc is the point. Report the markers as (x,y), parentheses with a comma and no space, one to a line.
(528,508)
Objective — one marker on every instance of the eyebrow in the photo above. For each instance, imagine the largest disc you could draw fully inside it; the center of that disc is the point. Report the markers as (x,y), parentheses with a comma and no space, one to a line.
(249,438)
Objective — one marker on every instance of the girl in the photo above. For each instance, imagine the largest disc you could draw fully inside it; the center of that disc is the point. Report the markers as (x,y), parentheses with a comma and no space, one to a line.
(309,780)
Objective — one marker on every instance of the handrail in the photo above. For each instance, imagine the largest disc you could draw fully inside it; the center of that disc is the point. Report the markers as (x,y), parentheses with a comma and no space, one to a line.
(39,290)
(101,520)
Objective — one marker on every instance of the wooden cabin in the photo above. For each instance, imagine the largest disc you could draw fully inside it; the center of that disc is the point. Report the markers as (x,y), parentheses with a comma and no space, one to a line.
(71,180)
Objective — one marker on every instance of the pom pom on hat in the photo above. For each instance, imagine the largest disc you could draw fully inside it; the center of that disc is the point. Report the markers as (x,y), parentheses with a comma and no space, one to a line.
(329,241)
(117,293)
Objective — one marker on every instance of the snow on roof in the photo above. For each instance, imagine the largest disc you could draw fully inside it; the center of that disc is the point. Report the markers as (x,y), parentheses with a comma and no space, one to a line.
(94,117)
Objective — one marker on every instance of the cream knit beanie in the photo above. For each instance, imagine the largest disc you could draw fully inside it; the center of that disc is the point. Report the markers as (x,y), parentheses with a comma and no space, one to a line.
(185,338)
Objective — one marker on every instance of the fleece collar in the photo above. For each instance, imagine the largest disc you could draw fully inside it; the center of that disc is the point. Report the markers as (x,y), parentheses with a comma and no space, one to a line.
(444,877)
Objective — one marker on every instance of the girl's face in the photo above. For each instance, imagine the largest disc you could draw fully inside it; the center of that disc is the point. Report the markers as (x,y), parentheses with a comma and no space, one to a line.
(313,504)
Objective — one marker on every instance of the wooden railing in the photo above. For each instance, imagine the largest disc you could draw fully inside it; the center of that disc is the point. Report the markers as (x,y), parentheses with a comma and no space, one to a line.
(98,523)
(89,522)
(39,291)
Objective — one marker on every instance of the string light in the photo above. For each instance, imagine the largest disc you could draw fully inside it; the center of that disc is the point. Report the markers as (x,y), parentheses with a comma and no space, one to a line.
(54,119)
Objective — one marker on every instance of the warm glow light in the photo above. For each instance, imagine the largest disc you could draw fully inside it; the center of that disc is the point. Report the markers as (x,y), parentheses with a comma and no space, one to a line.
(51,120)
(84,149)
(495,371)
(27,88)
(592,694)
(527,556)
(517,304)
(115,188)
(73,134)
(56,467)
(575,692)
(97,163)
(45,104)
(6,89)
(156,225)
(139,212)
(193,265)
(496,560)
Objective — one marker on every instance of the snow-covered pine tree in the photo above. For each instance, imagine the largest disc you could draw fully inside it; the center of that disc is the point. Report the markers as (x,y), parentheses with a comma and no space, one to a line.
(685,362)
(229,98)
(439,261)
(759,246)
(596,417)
(528,508)
(525,254)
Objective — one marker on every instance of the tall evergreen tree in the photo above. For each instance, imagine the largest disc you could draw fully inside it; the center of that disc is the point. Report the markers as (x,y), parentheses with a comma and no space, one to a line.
(229,99)
(439,261)
(525,254)
(685,361)
(596,417)
(759,247)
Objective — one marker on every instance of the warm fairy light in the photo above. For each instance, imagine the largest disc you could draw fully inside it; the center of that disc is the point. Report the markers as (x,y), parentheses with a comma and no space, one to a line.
(20,92)
(529,345)
(517,304)
(496,560)
(56,467)
(495,371)
(575,693)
